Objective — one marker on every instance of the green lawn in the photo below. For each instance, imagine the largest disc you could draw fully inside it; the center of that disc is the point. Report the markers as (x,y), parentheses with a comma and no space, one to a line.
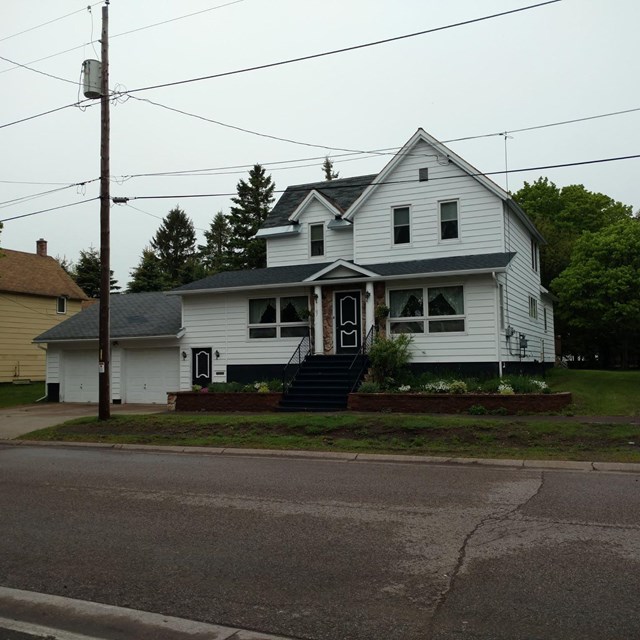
(380,433)
(12,395)
(604,393)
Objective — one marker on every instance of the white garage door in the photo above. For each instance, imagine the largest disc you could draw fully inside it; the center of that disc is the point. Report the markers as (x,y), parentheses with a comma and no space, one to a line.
(80,376)
(149,374)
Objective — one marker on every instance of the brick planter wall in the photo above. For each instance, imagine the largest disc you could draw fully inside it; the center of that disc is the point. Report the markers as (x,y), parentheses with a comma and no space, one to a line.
(457,403)
(227,402)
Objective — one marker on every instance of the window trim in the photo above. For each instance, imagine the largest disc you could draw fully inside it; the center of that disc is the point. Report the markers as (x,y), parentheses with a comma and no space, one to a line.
(458,237)
(278,325)
(533,308)
(425,318)
(62,299)
(393,226)
(311,241)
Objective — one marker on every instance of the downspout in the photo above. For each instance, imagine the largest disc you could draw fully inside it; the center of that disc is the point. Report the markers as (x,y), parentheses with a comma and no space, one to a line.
(497,309)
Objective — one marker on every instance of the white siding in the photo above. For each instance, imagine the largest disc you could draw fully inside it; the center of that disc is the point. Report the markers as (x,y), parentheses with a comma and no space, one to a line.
(221,322)
(53,365)
(521,281)
(477,343)
(117,387)
(479,210)
(295,249)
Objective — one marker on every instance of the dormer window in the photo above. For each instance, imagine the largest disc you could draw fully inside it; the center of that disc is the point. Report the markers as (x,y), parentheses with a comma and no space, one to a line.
(316,238)
(401,225)
(61,305)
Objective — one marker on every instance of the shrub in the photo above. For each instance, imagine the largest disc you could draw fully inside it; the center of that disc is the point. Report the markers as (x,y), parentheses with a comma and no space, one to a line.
(505,389)
(368,386)
(404,388)
(477,410)
(441,386)
(196,387)
(225,387)
(389,358)
(274,385)
(458,386)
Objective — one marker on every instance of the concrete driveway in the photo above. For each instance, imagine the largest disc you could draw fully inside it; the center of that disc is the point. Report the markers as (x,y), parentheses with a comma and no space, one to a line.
(16,421)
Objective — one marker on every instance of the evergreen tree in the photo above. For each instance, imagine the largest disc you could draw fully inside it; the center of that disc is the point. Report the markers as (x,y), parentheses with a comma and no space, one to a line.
(174,245)
(66,264)
(327,168)
(148,275)
(214,255)
(87,273)
(252,206)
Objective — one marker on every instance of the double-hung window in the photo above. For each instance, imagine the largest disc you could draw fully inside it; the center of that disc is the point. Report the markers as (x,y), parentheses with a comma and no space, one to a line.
(533,308)
(61,305)
(316,239)
(278,317)
(401,225)
(432,310)
(449,220)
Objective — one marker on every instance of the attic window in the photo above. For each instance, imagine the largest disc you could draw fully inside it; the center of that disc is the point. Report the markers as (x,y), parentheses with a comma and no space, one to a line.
(61,305)
(423,174)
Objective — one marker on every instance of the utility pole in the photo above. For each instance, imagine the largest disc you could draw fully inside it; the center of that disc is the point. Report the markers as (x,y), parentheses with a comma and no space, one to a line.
(104,339)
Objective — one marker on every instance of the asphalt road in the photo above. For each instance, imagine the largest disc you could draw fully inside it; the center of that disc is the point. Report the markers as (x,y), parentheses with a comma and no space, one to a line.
(321,549)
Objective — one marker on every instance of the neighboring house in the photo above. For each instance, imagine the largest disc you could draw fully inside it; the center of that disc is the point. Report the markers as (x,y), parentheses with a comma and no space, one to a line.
(145,334)
(447,251)
(35,294)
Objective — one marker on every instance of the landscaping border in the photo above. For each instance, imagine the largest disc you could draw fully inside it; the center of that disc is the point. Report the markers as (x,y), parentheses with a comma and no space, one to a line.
(459,403)
(376,402)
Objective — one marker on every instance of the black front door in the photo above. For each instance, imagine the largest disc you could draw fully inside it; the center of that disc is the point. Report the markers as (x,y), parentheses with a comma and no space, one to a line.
(201,366)
(348,322)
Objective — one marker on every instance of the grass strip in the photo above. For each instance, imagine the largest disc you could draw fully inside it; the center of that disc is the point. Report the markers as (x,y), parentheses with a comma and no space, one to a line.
(545,438)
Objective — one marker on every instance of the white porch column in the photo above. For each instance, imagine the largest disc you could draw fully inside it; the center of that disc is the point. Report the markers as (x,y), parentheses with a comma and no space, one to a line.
(369,310)
(318,323)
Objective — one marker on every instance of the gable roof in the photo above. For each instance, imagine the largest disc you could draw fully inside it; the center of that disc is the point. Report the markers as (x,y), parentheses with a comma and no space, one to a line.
(341,193)
(309,274)
(133,315)
(422,136)
(36,275)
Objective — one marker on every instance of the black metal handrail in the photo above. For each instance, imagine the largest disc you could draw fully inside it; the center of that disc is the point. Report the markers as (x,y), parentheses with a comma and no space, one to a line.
(298,357)
(362,352)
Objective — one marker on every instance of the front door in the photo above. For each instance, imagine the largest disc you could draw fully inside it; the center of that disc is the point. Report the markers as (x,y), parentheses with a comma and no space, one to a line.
(348,322)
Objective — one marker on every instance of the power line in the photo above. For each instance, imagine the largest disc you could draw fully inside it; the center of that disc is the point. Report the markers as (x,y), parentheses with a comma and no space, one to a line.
(62,206)
(44,24)
(431,179)
(42,73)
(33,196)
(124,33)
(344,49)
(46,113)
(309,57)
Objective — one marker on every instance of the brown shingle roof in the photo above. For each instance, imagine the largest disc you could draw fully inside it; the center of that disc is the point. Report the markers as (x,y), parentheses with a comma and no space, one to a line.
(36,275)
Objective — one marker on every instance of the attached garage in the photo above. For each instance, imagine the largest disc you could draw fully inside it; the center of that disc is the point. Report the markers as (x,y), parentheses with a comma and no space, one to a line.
(79,376)
(145,358)
(149,374)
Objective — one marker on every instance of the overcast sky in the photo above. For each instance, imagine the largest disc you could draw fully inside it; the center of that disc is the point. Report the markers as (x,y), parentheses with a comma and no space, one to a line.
(567,60)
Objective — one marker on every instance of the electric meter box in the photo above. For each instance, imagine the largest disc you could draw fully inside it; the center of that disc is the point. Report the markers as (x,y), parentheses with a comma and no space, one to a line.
(92,78)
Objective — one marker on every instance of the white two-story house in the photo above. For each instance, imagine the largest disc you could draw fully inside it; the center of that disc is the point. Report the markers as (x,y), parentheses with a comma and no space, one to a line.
(448,252)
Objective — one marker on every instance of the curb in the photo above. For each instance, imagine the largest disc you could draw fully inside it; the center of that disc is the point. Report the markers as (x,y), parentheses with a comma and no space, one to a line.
(566,465)
(69,619)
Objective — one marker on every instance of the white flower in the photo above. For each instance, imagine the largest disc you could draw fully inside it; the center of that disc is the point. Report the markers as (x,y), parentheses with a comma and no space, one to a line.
(541,384)
(404,388)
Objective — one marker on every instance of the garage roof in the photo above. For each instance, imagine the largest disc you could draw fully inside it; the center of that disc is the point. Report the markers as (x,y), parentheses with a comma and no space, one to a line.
(133,315)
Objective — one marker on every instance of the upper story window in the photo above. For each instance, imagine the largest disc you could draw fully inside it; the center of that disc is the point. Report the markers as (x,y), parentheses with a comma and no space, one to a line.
(535,252)
(283,317)
(401,225)
(449,220)
(316,239)
(61,305)
(444,310)
(533,308)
